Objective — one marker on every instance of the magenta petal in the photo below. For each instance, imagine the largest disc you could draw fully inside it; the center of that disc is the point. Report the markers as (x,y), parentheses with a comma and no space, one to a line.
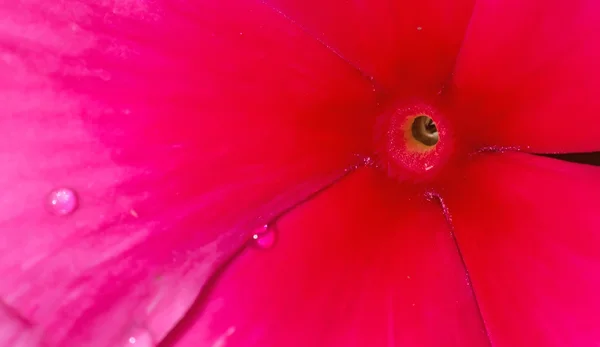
(364,264)
(528,75)
(529,230)
(179,127)
(407,45)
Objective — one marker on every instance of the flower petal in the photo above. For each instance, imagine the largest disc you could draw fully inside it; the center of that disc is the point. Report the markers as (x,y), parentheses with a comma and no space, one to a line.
(529,230)
(367,263)
(410,45)
(528,75)
(179,126)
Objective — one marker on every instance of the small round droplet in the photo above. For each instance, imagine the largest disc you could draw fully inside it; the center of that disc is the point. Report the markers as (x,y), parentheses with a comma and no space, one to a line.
(264,237)
(139,338)
(62,201)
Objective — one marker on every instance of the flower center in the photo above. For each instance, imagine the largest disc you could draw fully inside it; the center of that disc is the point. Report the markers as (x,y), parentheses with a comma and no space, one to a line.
(413,142)
(424,130)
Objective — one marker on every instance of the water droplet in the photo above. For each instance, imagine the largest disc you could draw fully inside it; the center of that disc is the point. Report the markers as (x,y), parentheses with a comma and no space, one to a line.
(419,28)
(264,237)
(62,201)
(139,338)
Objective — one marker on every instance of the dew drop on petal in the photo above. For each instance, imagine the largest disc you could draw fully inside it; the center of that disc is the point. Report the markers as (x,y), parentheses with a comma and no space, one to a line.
(62,201)
(139,338)
(264,237)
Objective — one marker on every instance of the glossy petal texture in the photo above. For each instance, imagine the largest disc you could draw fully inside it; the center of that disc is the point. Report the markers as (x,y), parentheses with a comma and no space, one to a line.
(528,76)
(367,263)
(406,45)
(180,128)
(527,227)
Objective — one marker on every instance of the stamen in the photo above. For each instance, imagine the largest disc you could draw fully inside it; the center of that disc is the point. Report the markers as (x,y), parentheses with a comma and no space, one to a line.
(425,131)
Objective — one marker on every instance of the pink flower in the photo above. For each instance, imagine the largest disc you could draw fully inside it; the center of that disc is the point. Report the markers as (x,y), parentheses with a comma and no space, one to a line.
(145,143)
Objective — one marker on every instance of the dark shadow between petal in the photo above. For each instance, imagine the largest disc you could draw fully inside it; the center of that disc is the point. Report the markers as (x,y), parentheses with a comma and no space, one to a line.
(592,158)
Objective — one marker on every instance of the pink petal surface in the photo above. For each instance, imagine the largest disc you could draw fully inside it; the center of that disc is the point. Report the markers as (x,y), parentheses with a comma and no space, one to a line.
(528,75)
(180,127)
(407,45)
(367,263)
(528,227)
